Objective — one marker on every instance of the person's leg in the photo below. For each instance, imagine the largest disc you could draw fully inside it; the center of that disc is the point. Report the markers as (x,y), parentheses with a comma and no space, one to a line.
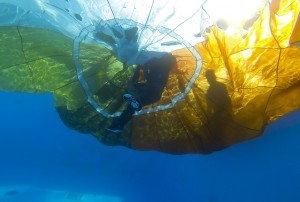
(119,122)
(132,101)
(131,97)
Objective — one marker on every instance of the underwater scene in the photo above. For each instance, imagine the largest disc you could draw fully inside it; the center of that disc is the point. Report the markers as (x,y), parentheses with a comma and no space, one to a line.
(149,100)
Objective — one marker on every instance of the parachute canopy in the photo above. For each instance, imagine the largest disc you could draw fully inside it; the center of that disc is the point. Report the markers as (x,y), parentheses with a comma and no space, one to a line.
(232,77)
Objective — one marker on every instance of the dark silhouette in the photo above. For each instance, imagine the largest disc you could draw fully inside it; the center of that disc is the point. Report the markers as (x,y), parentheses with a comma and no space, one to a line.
(217,93)
(219,111)
(145,88)
(11,193)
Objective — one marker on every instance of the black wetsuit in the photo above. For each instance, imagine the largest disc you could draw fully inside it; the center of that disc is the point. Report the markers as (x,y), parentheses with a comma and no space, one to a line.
(148,89)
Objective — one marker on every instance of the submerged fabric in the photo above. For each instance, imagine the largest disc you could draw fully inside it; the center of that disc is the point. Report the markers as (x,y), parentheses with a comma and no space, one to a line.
(248,79)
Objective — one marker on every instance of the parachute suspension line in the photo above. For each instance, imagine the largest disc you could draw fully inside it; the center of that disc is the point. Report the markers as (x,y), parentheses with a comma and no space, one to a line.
(168,33)
(152,40)
(133,10)
(182,23)
(277,42)
(112,12)
(79,70)
(146,24)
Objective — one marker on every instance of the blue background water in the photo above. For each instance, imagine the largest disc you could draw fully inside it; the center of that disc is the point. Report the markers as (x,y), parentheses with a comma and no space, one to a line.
(37,149)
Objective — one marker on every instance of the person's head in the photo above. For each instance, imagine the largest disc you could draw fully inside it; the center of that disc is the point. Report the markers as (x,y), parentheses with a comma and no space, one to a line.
(210,76)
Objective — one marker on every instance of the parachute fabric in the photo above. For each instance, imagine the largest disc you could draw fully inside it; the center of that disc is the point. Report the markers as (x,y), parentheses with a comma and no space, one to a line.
(244,83)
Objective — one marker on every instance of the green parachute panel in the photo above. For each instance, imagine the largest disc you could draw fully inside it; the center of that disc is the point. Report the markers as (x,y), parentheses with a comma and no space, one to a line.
(40,61)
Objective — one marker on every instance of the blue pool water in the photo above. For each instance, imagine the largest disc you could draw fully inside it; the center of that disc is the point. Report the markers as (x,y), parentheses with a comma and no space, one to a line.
(38,151)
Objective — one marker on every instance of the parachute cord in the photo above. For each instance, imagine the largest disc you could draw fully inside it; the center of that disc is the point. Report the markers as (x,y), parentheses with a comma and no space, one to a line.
(146,21)
(182,22)
(167,33)
(112,12)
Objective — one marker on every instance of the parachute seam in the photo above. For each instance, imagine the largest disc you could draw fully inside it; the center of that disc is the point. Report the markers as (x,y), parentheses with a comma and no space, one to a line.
(278,60)
(225,60)
(256,87)
(28,61)
(158,138)
(185,128)
(111,83)
(181,121)
(86,76)
(22,45)
(235,122)
(203,111)
(22,49)
(64,85)
(204,123)
(193,109)
(256,48)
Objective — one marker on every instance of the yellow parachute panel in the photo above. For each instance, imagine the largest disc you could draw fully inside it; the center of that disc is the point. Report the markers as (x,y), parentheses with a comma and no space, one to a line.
(247,81)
